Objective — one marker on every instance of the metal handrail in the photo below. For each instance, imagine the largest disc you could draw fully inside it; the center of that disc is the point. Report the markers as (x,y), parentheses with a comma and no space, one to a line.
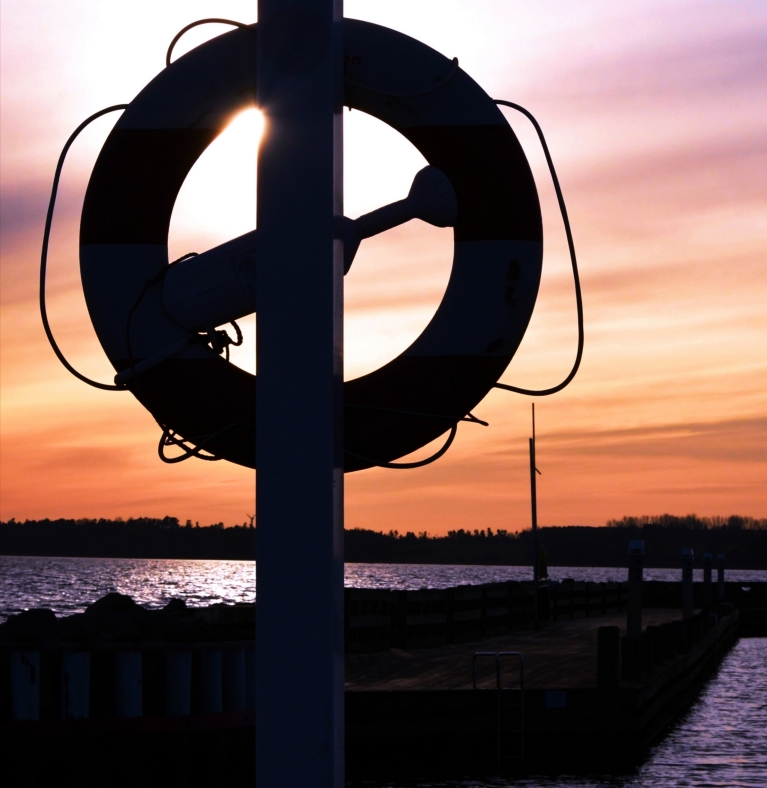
(496,655)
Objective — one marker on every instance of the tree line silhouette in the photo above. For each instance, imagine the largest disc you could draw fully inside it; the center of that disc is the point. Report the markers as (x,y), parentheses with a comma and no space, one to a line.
(742,540)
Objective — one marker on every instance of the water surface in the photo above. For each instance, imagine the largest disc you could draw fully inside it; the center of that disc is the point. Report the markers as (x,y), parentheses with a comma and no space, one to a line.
(69,585)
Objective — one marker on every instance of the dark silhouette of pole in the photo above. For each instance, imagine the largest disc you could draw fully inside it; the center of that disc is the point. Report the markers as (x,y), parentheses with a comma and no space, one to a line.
(299,419)
(534,513)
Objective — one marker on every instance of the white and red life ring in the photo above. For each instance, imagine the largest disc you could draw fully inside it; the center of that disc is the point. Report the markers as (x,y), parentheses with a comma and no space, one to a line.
(478,326)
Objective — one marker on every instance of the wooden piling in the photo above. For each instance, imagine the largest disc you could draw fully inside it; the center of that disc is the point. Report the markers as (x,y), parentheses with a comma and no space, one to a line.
(687,598)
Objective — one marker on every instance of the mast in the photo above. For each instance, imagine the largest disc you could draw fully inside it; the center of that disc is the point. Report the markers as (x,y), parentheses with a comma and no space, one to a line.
(534,514)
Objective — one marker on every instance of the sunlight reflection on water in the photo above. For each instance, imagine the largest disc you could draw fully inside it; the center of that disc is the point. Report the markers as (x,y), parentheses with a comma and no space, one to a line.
(69,585)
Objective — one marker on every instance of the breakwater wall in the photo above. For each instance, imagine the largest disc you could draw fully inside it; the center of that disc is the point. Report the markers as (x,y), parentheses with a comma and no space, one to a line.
(378,619)
(121,695)
(119,660)
(120,682)
(750,599)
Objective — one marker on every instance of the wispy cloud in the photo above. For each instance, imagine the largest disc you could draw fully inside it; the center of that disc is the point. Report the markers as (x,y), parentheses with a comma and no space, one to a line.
(654,113)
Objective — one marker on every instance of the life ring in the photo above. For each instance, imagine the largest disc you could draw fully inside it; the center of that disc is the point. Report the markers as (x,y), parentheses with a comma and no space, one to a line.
(486,307)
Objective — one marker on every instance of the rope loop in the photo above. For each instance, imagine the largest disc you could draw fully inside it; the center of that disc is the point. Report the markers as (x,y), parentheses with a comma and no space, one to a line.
(170,437)
(44,253)
(571,247)
(398,466)
(195,24)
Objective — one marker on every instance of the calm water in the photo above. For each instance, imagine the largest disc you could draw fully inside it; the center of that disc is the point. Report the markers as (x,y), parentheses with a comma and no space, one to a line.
(720,743)
(68,585)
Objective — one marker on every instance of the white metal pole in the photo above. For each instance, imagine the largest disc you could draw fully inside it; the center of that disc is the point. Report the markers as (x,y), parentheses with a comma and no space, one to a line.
(299,440)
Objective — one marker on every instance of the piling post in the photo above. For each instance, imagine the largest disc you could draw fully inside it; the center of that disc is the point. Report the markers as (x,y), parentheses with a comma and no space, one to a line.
(720,578)
(707,590)
(250,677)
(636,566)
(75,685)
(211,690)
(646,652)
(25,685)
(178,683)
(235,689)
(608,657)
(687,606)
(128,684)
(299,418)
(680,636)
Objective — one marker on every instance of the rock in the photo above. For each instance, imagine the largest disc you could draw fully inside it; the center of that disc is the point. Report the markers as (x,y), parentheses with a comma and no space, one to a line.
(116,618)
(34,624)
(112,603)
(176,607)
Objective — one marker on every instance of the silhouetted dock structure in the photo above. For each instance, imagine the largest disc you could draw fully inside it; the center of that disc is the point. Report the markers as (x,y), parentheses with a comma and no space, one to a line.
(561,654)
(169,694)
(416,711)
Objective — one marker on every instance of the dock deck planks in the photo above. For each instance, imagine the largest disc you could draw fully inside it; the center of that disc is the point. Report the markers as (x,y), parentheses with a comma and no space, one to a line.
(562,654)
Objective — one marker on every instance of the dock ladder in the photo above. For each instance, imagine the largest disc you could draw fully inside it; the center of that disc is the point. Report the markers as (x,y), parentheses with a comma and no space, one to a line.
(497,656)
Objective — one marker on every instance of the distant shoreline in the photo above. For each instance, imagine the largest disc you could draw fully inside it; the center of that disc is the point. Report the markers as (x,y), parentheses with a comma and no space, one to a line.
(574,546)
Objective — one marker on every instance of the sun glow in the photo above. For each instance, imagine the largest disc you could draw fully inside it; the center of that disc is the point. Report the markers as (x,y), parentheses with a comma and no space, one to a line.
(218,199)
(652,115)
(218,202)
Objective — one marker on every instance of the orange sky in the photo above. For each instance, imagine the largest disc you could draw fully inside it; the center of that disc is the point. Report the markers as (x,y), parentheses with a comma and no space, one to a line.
(654,113)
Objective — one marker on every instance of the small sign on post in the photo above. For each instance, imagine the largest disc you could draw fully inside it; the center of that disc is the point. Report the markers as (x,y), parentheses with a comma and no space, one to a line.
(707,590)
(720,578)
(636,565)
(687,606)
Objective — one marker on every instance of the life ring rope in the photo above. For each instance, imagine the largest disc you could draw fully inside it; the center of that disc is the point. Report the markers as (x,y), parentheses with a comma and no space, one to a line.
(409,465)
(44,253)
(212,21)
(218,339)
(573,260)
(169,437)
(470,417)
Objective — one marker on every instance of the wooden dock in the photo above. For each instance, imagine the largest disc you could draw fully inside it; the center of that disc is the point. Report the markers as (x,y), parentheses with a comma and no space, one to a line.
(416,712)
(562,654)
